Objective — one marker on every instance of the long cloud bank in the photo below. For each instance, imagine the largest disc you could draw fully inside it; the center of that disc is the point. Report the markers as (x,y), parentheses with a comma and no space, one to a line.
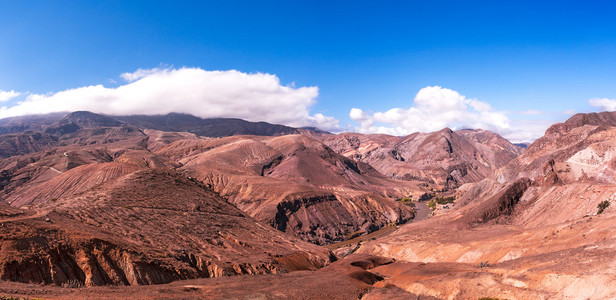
(206,94)
(261,97)
(435,107)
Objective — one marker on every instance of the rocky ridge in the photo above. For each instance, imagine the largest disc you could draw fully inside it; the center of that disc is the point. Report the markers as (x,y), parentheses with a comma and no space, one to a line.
(445,158)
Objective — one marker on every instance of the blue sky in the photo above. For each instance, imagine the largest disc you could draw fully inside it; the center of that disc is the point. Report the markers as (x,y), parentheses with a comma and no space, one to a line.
(529,61)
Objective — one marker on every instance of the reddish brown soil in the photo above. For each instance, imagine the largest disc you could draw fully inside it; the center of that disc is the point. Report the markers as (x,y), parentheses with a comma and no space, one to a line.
(348,279)
(445,157)
(296,184)
(516,238)
(141,207)
(143,228)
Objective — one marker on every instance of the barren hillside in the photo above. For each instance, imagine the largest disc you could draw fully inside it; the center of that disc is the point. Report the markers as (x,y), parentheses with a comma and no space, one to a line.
(296,184)
(533,229)
(446,158)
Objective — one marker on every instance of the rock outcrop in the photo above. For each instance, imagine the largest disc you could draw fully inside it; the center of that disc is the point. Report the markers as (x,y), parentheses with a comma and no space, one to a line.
(532,229)
(146,227)
(446,158)
(295,183)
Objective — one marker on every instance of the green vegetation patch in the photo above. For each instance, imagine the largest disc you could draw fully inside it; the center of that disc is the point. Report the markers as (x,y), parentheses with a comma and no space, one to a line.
(407,201)
(602,206)
(432,204)
(445,200)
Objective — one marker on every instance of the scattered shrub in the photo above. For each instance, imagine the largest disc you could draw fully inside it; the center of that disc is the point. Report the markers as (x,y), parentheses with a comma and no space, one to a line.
(445,200)
(426,196)
(432,204)
(407,200)
(602,206)
(72,283)
(356,248)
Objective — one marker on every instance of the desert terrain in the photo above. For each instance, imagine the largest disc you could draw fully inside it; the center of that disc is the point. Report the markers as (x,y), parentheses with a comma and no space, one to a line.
(175,206)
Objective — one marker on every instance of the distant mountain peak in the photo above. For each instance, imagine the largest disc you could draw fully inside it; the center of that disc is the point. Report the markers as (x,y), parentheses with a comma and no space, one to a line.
(88,119)
(64,123)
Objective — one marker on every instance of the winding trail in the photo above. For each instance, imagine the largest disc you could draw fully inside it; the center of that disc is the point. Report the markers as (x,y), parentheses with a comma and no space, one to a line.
(24,216)
(50,168)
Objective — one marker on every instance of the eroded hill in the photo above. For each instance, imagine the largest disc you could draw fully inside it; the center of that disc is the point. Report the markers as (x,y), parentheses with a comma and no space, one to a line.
(296,184)
(104,200)
(446,158)
(534,229)
(147,226)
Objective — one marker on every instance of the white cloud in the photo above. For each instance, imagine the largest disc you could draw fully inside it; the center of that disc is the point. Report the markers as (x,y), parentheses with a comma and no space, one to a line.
(435,108)
(604,104)
(324,122)
(526,131)
(8,95)
(140,73)
(206,94)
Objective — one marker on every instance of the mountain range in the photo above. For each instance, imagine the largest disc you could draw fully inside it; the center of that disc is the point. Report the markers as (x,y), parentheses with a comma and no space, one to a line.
(97,200)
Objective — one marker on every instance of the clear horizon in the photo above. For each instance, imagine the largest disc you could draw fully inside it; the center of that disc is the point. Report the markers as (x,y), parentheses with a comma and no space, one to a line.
(392,67)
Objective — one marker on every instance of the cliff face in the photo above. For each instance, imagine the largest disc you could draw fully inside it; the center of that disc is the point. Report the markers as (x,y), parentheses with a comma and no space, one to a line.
(295,183)
(147,227)
(580,148)
(538,215)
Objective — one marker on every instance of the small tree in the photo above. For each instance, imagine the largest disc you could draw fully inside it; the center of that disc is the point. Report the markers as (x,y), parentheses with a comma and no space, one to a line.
(602,206)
